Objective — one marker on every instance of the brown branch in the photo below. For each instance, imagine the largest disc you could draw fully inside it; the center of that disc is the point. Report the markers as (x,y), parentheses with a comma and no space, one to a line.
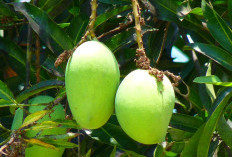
(121,26)
(163,42)
(90,31)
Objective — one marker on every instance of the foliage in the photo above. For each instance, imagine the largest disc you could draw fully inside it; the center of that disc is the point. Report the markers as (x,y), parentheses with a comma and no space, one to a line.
(34,34)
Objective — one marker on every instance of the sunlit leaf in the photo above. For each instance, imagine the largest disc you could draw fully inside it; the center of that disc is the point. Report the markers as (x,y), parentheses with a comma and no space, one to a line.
(215,53)
(211,80)
(34,117)
(39,143)
(214,116)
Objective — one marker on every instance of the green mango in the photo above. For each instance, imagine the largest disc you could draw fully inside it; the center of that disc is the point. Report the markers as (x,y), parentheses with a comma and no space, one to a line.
(144,106)
(38,151)
(92,77)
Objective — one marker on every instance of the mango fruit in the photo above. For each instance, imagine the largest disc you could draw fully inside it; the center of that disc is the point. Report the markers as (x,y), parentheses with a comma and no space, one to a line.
(144,106)
(91,78)
(38,151)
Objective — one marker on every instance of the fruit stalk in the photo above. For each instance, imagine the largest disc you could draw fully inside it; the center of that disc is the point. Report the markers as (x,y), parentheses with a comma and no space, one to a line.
(90,31)
(143,61)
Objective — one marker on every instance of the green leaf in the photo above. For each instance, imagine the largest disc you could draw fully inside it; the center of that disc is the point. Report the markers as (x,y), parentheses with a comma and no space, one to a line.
(88,153)
(5,10)
(67,136)
(54,124)
(119,40)
(107,15)
(77,27)
(17,58)
(113,153)
(197,11)
(217,54)
(185,122)
(34,117)
(39,143)
(211,80)
(225,131)
(6,93)
(230,10)
(214,116)
(42,86)
(209,87)
(191,146)
(60,143)
(167,9)
(45,27)
(217,27)
(18,119)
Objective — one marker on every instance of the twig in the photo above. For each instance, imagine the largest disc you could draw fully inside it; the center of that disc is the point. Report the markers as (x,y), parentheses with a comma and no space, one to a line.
(90,31)
(121,26)
(163,42)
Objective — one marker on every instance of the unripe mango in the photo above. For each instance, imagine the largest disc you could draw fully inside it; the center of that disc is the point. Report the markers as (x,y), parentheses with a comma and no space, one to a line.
(38,151)
(91,79)
(144,106)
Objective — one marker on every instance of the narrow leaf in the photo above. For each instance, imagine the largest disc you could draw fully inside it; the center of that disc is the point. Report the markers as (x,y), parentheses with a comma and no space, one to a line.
(45,27)
(67,136)
(211,80)
(185,122)
(39,143)
(61,143)
(107,15)
(120,39)
(34,117)
(167,9)
(217,27)
(42,86)
(225,131)
(191,146)
(217,54)
(5,92)
(113,153)
(230,10)
(214,115)
(18,119)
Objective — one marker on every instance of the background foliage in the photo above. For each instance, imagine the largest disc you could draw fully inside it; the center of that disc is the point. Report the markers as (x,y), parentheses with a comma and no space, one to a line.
(35,33)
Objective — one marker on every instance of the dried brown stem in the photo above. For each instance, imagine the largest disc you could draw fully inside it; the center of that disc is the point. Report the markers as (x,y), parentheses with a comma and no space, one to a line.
(90,31)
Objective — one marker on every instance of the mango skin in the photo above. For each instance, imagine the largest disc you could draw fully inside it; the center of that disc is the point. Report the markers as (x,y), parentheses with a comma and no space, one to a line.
(92,77)
(38,151)
(144,106)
